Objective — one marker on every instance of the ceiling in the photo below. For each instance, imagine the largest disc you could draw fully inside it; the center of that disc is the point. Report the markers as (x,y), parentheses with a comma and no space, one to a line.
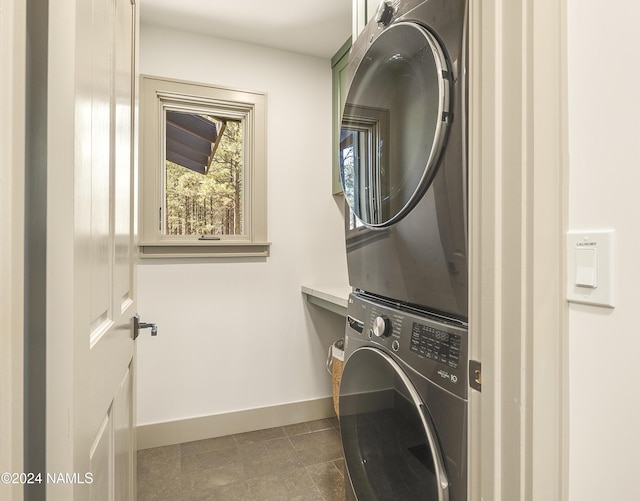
(314,27)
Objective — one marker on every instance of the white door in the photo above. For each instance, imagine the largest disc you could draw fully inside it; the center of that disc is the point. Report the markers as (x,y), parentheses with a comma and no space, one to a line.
(101,440)
(106,171)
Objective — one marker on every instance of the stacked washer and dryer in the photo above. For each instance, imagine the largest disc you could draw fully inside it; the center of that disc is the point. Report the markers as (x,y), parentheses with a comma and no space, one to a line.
(403,155)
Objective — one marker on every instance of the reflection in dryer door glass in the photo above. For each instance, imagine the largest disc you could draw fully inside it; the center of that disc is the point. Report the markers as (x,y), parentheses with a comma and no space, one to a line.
(398,106)
(362,146)
(355,146)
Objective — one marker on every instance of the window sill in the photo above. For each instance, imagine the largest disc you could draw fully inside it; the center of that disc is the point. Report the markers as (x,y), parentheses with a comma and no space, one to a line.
(221,250)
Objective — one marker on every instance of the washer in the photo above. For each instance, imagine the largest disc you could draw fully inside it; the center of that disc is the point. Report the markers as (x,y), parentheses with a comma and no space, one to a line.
(403,156)
(403,405)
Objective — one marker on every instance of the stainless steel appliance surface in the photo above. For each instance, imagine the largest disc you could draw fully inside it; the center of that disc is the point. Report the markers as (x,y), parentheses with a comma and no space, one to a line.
(403,156)
(403,405)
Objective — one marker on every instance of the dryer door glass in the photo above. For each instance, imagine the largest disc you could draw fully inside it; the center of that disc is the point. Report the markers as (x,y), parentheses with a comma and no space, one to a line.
(390,447)
(394,124)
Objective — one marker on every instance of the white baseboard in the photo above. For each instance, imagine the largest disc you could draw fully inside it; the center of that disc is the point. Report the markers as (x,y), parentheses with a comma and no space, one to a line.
(218,425)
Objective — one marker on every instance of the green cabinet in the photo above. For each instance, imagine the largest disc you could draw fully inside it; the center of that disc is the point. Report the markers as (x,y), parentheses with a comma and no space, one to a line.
(339,69)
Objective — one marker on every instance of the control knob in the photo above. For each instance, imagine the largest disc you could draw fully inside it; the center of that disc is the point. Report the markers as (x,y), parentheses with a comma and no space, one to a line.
(381,326)
(385,13)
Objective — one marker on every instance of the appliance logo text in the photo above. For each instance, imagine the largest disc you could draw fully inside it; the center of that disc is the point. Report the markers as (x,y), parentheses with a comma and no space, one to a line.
(445,375)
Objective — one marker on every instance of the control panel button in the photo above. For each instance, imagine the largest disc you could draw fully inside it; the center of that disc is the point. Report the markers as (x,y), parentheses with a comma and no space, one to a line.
(395,346)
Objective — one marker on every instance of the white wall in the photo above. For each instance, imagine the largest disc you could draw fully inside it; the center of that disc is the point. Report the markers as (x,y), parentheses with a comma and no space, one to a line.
(604,147)
(237,334)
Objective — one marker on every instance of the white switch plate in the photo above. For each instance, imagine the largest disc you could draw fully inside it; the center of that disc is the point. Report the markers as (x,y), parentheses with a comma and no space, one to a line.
(600,262)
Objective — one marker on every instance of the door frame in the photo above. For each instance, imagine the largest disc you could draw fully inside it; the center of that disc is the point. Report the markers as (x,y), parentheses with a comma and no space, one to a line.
(61,316)
(12,102)
(518,206)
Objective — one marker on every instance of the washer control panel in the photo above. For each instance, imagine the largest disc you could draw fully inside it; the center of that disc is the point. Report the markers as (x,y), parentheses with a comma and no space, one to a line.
(432,348)
(436,344)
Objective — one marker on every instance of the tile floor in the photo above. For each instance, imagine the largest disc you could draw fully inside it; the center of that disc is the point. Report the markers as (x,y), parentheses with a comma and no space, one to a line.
(298,462)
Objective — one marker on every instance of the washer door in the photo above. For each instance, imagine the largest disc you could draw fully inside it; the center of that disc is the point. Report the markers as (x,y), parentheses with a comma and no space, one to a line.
(394,124)
(390,446)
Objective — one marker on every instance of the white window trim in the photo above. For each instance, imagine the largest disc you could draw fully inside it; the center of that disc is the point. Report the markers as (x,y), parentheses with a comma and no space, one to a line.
(158,94)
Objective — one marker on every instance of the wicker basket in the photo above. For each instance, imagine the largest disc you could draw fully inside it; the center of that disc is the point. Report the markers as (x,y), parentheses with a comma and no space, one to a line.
(335,364)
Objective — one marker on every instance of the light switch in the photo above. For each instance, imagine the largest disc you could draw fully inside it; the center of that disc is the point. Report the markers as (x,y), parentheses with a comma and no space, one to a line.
(591,267)
(586,261)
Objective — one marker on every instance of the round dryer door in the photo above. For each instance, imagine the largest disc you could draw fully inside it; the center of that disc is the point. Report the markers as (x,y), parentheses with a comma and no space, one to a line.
(390,446)
(394,124)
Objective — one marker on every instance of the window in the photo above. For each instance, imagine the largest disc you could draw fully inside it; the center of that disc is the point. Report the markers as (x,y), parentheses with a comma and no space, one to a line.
(203,166)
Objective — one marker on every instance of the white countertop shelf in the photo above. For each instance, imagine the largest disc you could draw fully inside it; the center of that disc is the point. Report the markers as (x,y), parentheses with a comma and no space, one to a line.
(330,297)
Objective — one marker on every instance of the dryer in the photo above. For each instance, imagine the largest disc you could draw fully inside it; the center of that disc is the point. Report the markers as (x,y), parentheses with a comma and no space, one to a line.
(403,156)
(403,405)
